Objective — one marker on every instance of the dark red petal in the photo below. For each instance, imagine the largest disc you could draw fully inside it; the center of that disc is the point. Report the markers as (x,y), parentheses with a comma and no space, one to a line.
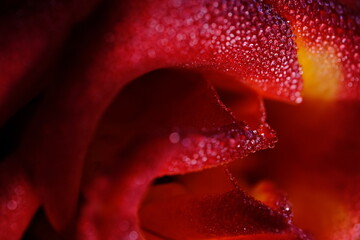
(175,124)
(18,201)
(206,185)
(245,39)
(131,43)
(32,33)
(229,214)
(317,162)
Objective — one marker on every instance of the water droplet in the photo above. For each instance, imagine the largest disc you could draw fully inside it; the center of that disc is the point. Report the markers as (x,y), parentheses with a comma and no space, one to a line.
(133,235)
(174,137)
(12,205)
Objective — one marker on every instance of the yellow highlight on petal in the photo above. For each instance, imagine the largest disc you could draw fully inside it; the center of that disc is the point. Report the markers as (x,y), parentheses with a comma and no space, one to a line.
(322,73)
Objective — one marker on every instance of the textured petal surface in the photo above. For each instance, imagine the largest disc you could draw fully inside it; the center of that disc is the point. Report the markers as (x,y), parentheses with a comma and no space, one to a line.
(230,214)
(132,46)
(328,36)
(192,130)
(107,123)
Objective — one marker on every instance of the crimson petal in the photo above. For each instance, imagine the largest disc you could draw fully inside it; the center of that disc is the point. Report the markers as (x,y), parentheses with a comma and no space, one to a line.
(192,130)
(18,201)
(328,33)
(32,34)
(131,44)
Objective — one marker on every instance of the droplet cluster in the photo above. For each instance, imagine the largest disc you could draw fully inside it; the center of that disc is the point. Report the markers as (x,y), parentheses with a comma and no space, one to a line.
(226,144)
(245,38)
(328,26)
(249,215)
(232,214)
(250,39)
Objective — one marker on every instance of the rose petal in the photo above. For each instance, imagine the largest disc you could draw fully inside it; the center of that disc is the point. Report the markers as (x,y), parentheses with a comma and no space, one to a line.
(124,50)
(220,216)
(328,36)
(129,152)
(18,201)
(323,188)
(32,34)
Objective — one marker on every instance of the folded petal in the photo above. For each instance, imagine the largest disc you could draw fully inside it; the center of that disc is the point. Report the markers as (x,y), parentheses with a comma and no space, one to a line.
(18,201)
(328,36)
(137,37)
(175,124)
(232,214)
(316,162)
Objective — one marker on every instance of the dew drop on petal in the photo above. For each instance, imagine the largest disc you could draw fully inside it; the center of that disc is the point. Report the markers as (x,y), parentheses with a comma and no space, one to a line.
(12,205)
(174,137)
(133,235)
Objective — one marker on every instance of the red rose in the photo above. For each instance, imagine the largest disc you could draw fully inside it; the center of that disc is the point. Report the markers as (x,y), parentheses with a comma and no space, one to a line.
(132,120)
